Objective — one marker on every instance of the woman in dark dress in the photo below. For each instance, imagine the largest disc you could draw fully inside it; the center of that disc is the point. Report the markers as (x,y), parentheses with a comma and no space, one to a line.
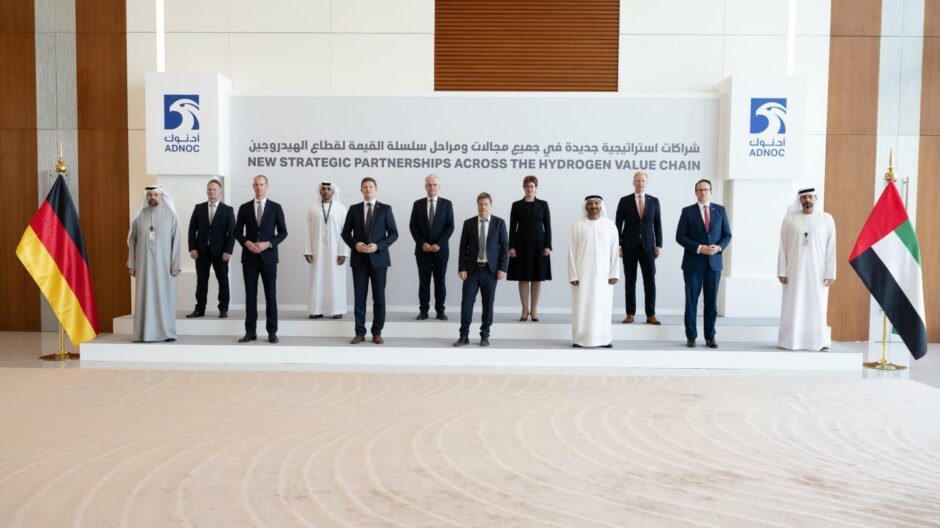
(530,247)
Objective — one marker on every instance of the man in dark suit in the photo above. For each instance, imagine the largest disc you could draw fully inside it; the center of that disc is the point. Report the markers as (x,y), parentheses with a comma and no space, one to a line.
(259,228)
(641,239)
(369,230)
(431,224)
(481,265)
(211,240)
(704,231)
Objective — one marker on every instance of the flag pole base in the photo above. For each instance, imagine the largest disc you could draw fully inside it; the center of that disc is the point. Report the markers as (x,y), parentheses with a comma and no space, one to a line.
(67,356)
(883,365)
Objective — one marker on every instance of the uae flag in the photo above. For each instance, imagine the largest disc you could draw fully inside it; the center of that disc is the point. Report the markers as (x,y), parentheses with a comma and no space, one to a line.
(53,252)
(887,258)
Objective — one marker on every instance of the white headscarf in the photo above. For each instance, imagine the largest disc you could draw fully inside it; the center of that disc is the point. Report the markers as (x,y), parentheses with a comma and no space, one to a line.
(796,206)
(335,199)
(584,206)
(166,200)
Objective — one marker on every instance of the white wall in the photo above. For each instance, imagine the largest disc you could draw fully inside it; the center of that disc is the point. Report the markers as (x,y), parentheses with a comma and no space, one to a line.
(379,46)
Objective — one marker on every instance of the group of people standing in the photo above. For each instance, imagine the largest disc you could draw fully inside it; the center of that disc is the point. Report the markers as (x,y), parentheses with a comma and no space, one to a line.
(489,251)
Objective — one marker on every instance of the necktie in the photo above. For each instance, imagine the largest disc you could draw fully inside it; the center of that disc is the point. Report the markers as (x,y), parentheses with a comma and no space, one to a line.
(369,216)
(431,213)
(482,254)
(708,219)
(642,204)
(211,212)
(258,213)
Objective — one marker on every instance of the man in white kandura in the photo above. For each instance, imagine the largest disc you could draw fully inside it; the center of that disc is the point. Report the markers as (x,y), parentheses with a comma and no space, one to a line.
(806,266)
(326,253)
(153,257)
(593,269)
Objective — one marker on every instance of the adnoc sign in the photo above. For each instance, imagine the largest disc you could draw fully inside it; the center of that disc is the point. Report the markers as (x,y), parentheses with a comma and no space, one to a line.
(187,123)
(761,128)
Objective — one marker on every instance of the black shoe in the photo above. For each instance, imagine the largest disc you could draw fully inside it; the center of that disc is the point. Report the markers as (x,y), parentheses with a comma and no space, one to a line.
(247,338)
(337,316)
(169,340)
(689,342)
(195,313)
(710,343)
(422,316)
(272,338)
(575,345)
(315,316)
(608,345)
(484,341)
(463,341)
(441,316)
(223,314)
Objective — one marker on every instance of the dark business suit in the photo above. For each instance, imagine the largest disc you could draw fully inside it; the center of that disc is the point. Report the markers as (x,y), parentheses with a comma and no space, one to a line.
(429,263)
(210,241)
(370,267)
(530,232)
(481,277)
(639,237)
(702,270)
(273,229)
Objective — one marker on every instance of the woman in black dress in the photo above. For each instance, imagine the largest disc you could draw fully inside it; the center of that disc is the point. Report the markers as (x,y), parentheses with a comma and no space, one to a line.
(530,247)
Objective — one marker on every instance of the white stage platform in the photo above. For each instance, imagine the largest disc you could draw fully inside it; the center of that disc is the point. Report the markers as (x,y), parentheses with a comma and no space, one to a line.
(745,343)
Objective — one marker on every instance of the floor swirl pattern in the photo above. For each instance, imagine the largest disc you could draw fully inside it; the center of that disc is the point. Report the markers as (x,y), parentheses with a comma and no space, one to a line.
(152,448)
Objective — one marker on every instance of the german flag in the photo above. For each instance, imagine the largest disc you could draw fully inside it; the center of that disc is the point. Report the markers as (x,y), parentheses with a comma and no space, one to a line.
(53,252)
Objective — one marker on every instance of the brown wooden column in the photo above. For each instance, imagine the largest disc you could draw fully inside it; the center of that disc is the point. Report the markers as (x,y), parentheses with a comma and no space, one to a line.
(19,310)
(101,57)
(528,45)
(928,182)
(851,139)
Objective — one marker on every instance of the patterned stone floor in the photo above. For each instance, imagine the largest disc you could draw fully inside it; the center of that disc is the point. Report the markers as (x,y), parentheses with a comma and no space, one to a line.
(151,448)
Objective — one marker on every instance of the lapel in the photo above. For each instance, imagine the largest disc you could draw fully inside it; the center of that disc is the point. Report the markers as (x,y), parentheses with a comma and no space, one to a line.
(632,207)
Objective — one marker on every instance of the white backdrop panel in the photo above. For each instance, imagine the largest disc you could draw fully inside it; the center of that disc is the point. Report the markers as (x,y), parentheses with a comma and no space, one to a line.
(577,145)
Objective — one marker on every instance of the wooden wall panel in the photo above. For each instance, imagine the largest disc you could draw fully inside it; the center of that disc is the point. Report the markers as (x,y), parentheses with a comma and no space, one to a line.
(101,59)
(928,183)
(526,45)
(852,127)
(20,309)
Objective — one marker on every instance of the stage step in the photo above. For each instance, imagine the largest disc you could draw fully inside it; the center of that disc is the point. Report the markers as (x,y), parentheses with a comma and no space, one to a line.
(438,352)
(505,326)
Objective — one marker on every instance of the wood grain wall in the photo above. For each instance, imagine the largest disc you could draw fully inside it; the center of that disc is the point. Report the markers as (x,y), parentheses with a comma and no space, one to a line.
(928,182)
(20,309)
(526,45)
(854,50)
(101,58)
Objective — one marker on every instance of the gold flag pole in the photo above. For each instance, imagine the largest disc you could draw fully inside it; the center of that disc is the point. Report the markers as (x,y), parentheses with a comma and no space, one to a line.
(61,169)
(883,363)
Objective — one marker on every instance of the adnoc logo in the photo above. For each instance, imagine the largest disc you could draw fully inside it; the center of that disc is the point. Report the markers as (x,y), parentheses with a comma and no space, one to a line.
(768,127)
(181,112)
(768,116)
(181,116)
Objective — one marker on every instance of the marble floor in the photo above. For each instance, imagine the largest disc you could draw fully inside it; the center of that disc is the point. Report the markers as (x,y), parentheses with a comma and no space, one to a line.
(282,446)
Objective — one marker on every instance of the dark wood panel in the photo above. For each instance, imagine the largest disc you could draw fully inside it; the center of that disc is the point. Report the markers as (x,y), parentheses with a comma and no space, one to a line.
(18,80)
(850,163)
(850,18)
(101,60)
(932,18)
(853,85)
(17,16)
(103,188)
(19,310)
(928,228)
(528,45)
(930,88)
(107,16)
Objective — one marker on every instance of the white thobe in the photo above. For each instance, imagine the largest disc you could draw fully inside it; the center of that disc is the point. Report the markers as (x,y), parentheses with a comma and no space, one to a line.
(592,260)
(327,290)
(807,257)
(153,253)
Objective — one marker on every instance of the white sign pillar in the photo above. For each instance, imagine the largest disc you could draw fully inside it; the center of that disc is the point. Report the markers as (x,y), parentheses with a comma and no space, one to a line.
(760,155)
